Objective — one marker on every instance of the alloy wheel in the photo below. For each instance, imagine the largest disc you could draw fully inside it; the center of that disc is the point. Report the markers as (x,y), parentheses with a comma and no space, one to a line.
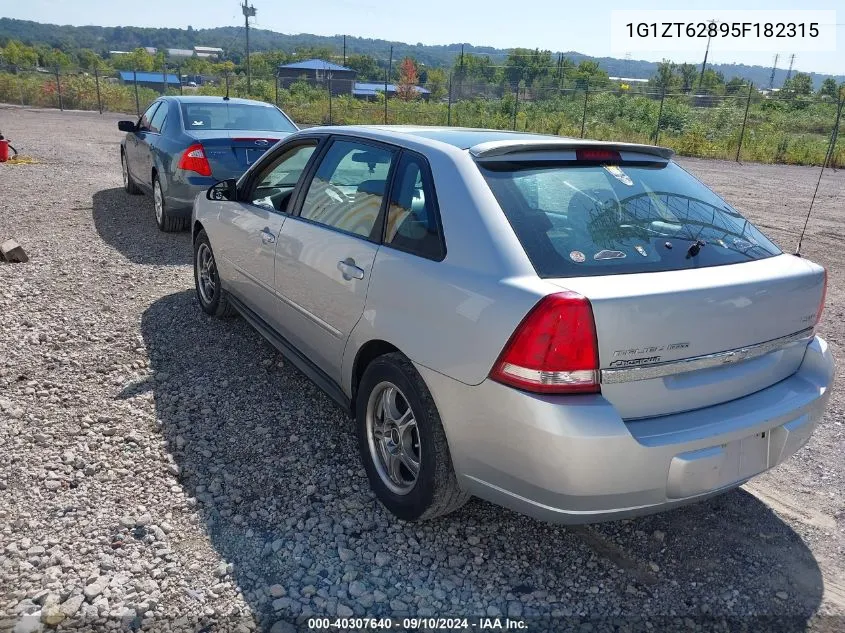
(393,438)
(158,200)
(207,278)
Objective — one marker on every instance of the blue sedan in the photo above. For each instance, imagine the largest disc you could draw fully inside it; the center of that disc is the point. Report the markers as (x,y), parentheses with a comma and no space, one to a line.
(181,146)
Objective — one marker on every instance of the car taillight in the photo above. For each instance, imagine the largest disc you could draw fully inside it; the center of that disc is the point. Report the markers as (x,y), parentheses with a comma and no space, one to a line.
(821,303)
(554,349)
(194,160)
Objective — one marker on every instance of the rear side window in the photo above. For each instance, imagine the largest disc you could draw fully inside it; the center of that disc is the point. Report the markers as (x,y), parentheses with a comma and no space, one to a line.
(234,116)
(589,219)
(412,221)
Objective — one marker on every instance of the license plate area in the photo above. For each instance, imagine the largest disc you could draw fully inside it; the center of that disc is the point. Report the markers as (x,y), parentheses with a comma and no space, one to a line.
(253,155)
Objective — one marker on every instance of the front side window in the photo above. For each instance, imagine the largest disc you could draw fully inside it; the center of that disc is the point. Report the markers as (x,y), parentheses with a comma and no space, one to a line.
(347,190)
(274,186)
(147,117)
(588,219)
(157,122)
(412,222)
(225,115)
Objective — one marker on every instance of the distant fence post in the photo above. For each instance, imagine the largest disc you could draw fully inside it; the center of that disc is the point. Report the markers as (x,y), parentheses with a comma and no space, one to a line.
(449,107)
(515,104)
(179,70)
(277,90)
(164,78)
(135,81)
(97,81)
(584,115)
(744,119)
(330,98)
(20,82)
(659,116)
(59,89)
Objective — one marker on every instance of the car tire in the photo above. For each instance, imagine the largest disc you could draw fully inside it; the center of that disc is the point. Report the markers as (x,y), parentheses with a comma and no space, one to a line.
(434,490)
(129,185)
(165,221)
(212,298)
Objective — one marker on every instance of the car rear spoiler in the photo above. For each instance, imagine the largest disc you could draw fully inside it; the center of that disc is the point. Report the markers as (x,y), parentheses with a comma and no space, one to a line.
(495,149)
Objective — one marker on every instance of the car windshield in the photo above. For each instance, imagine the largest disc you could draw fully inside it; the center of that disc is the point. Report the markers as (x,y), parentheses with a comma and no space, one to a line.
(234,116)
(589,219)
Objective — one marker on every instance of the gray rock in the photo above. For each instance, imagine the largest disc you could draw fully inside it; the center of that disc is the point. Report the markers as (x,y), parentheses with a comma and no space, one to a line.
(282,626)
(277,591)
(382,559)
(344,611)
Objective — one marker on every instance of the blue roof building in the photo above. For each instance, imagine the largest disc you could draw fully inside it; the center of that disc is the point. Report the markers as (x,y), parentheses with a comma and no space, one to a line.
(367,90)
(316,64)
(145,79)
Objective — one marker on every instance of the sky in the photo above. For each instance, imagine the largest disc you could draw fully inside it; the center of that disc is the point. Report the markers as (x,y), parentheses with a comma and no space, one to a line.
(547,24)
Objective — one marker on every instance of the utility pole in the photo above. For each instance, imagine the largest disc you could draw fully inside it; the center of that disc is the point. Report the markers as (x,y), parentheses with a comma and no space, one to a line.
(704,63)
(789,72)
(249,12)
(774,70)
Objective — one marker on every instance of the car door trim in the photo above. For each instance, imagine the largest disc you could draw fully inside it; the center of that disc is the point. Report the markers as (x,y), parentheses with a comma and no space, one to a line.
(292,353)
(705,361)
(309,315)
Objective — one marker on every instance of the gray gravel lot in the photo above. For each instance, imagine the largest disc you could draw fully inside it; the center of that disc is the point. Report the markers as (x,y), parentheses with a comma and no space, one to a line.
(164,470)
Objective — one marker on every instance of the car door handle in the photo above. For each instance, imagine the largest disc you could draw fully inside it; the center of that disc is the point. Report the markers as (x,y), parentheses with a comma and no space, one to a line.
(349,270)
(267,237)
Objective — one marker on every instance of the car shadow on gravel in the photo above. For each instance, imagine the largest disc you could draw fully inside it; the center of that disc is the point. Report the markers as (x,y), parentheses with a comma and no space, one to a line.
(272,464)
(128,224)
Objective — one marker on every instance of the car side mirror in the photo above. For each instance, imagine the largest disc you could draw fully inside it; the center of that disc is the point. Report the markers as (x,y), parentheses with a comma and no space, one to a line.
(126,126)
(223,190)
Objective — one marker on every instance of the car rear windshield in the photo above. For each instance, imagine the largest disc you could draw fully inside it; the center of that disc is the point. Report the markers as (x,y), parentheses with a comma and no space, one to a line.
(591,219)
(234,116)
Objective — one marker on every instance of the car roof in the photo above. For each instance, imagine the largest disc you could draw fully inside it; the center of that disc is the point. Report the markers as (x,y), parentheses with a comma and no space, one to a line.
(213,99)
(484,142)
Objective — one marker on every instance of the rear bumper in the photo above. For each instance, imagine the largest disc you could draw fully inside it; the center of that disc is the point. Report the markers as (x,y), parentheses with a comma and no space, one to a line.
(180,194)
(572,459)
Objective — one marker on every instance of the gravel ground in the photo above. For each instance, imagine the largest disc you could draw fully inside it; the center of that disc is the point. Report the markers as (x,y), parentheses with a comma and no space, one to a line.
(164,470)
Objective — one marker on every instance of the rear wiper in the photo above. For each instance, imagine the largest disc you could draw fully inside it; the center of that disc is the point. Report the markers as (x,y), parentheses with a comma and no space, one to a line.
(695,247)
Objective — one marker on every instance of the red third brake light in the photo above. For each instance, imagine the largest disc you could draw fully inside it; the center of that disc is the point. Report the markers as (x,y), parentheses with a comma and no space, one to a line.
(597,155)
(194,160)
(554,349)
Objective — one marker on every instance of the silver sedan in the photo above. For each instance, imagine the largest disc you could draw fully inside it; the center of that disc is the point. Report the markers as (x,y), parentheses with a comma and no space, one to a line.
(576,330)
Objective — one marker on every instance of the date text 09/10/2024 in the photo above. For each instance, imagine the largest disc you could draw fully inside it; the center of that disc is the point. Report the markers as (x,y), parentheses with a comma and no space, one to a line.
(417,623)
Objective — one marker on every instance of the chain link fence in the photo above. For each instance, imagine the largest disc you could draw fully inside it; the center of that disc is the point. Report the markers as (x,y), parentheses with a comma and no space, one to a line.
(743,125)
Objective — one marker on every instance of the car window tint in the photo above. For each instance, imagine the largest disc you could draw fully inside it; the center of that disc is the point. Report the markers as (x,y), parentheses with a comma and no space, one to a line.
(234,116)
(274,185)
(347,189)
(157,122)
(412,214)
(577,220)
(144,123)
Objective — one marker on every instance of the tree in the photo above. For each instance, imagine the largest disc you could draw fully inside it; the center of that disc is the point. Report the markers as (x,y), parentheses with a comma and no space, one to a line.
(664,75)
(54,58)
(89,60)
(365,66)
(436,83)
(407,87)
(828,88)
(139,60)
(734,85)
(19,55)
(799,84)
(688,74)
